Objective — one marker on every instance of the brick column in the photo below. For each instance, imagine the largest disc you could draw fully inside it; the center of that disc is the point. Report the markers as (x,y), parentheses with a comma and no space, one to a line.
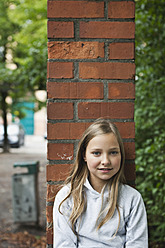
(91,73)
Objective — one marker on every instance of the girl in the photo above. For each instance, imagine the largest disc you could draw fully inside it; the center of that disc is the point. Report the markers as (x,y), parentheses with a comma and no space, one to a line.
(95,208)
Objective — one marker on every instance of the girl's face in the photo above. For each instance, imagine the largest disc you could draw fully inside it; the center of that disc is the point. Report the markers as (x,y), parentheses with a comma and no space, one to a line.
(103,159)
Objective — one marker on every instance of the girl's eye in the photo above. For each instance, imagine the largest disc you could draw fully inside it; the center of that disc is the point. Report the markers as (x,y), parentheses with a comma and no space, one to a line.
(96,153)
(114,152)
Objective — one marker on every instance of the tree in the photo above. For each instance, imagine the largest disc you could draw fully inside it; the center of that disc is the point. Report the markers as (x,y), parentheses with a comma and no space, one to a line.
(31,49)
(8,28)
(23,52)
(150,114)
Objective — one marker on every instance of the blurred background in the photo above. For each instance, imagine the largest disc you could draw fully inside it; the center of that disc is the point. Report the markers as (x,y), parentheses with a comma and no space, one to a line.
(23,58)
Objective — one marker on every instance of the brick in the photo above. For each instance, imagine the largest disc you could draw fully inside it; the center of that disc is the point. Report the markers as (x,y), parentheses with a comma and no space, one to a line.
(75,130)
(110,110)
(106,70)
(129,150)
(60,110)
(121,91)
(60,29)
(121,9)
(75,50)
(107,30)
(58,172)
(66,130)
(49,214)
(121,51)
(75,9)
(52,190)
(60,151)
(74,90)
(49,235)
(129,171)
(60,70)
(65,125)
(126,129)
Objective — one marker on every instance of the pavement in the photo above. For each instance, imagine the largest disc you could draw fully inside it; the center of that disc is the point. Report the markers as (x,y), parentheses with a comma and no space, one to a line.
(34,150)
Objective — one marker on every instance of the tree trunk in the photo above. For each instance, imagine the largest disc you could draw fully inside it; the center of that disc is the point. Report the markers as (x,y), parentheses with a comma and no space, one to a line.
(4,110)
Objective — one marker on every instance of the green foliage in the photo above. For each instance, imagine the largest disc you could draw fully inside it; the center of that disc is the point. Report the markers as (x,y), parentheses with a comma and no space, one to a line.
(30,54)
(23,49)
(150,181)
(23,37)
(23,52)
(150,112)
(31,50)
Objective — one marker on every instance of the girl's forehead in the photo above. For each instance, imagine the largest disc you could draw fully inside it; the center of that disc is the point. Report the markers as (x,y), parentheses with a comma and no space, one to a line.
(108,139)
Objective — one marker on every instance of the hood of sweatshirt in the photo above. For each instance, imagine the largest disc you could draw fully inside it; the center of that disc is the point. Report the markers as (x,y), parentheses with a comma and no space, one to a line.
(93,193)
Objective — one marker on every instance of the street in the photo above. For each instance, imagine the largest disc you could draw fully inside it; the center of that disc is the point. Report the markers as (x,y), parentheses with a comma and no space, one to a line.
(33,150)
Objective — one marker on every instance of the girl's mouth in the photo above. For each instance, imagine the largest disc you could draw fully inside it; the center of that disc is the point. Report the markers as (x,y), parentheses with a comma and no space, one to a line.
(105,169)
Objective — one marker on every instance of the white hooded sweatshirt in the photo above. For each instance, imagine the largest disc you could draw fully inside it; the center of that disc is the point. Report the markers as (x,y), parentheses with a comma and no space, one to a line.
(132,232)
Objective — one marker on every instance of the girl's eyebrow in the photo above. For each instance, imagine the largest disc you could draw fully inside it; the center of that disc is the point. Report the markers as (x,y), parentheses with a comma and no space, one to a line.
(115,148)
(112,148)
(96,148)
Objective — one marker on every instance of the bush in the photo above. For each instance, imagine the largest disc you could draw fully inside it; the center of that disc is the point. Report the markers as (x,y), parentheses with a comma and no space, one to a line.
(150,182)
(150,114)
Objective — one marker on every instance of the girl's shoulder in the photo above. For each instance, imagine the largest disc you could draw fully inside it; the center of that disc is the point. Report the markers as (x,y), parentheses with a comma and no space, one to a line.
(63,202)
(63,192)
(128,193)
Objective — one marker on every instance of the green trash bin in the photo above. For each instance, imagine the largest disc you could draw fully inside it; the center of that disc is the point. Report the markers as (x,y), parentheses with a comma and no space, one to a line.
(25,193)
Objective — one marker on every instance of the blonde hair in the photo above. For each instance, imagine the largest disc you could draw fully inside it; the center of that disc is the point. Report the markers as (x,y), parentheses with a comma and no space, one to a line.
(80,173)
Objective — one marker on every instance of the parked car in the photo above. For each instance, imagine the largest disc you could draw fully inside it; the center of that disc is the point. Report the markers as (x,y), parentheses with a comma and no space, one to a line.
(16,135)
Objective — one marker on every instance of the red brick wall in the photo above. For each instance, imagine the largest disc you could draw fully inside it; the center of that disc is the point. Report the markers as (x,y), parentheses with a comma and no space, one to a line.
(91,73)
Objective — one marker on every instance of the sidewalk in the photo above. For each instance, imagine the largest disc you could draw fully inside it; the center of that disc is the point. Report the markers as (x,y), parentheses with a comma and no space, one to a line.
(33,150)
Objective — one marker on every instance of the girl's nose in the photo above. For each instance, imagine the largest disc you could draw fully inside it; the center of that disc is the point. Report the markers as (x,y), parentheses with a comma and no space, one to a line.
(105,160)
